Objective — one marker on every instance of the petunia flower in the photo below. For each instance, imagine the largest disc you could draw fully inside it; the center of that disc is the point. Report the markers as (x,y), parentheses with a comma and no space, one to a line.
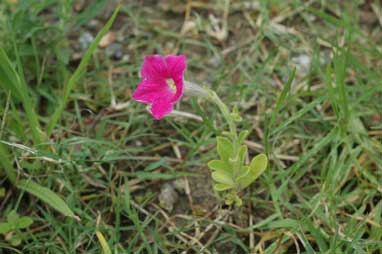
(162,83)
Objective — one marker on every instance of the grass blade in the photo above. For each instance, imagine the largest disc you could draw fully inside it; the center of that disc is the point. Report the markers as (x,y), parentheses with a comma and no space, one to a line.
(7,164)
(309,154)
(47,196)
(298,114)
(77,74)
(280,100)
(102,241)
(11,81)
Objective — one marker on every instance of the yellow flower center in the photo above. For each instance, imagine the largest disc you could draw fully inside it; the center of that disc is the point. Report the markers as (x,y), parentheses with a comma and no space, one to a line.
(171,85)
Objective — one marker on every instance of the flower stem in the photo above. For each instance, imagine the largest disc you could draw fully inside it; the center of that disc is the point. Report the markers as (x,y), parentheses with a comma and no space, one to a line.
(193,89)
(205,92)
(224,109)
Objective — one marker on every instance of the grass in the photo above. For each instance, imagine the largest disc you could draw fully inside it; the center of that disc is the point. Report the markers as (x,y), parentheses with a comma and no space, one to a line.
(78,134)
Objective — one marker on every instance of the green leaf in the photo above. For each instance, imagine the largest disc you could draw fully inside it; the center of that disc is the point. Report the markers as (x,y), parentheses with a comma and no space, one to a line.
(5,228)
(308,107)
(24,222)
(242,154)
(103,242)
(219,165)
(12,218)
(376,214)
(258,165)
(236,118)
(224,147)
(15,240)
(222,187)
(230,135)
(284,223)
(222,177)
(281,99)
(164,176)
(256,168)
(230,198)
(233,198)
(242,136)
(235,114)
(275,113)
(6,164)
(244,172)
(156,164)
(238,201)
(10,80)
(47,196)
(316,233)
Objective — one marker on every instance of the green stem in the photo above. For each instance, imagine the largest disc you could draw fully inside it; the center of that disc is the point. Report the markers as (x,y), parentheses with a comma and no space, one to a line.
(232,127)
(192,88)
(224,109)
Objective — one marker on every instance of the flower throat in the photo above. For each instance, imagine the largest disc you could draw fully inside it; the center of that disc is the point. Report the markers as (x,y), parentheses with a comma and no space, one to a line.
(171,84)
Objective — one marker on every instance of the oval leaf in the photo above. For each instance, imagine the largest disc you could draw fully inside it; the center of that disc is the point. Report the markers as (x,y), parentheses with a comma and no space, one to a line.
(222,177)
(224,147)
(5,227)
(222,187)
(244,172)
(258,165)
(256,168)
(24,222)
(219,165)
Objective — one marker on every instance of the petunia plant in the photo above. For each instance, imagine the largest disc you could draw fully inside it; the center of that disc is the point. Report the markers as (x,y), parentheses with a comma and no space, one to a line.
(163,85)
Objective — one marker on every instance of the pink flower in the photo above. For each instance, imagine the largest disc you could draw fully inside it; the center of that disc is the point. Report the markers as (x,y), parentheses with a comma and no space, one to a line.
(162,83)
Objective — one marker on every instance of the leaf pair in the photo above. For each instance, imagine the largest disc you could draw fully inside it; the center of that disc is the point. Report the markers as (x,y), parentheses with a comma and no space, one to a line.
(223,168)
(230,172)
(253,171)
(15,222)
(250,173)
(222,175)
(11,228)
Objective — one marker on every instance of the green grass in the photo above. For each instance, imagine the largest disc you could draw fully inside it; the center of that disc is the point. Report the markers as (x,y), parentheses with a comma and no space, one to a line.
(74,143)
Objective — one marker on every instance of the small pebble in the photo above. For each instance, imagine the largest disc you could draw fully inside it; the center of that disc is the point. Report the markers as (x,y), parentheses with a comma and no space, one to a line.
(94,24)
(126,58)
(302,62)
(115,51)
(180,185)
(168,197)
(85,40)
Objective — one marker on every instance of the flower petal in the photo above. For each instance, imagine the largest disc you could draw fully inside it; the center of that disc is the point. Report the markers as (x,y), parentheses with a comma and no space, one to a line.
(176,65)
(179,89)
(161,107)
(154,68)
(150,90)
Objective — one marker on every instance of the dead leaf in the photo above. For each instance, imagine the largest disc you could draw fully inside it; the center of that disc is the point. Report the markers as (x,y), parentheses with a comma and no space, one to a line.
(107,39)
